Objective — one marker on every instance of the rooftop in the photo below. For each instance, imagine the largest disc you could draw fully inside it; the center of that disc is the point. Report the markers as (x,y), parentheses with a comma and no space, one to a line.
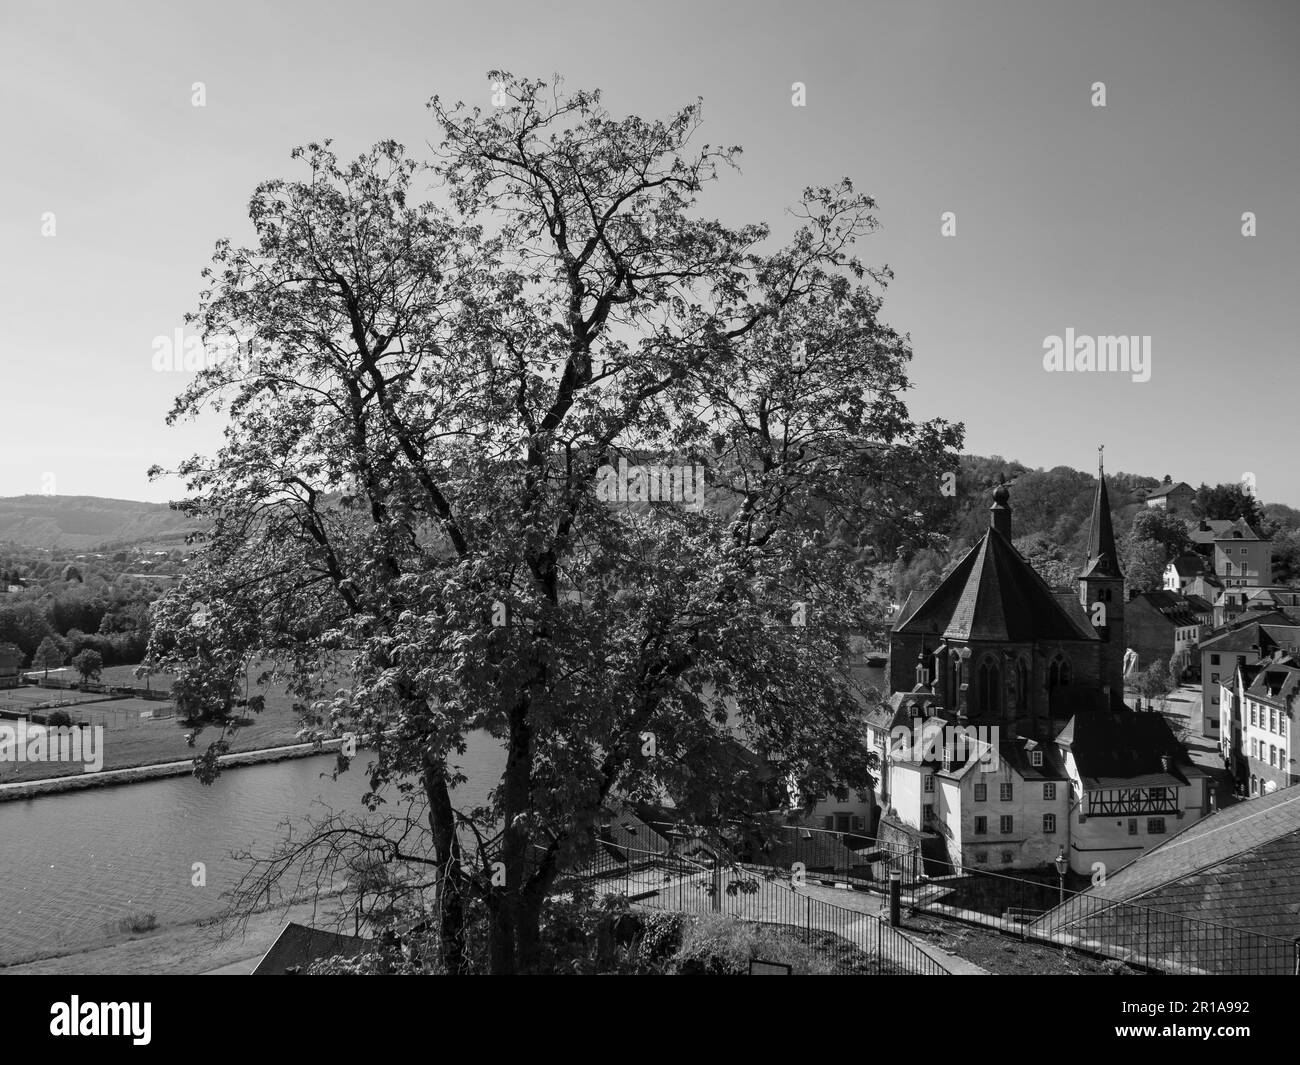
(1239,866)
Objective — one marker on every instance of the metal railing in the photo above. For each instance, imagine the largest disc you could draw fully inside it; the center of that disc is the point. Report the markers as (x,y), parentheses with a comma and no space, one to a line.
(848,857)
(1138,935)
(847,941)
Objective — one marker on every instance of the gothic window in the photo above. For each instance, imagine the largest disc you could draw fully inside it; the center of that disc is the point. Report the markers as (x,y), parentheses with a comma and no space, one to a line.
(1058,675)
(990,689)
(1022,686)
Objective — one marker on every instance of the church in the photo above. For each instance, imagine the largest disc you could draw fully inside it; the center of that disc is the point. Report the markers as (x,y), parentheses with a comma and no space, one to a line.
(994,652)
(994,645)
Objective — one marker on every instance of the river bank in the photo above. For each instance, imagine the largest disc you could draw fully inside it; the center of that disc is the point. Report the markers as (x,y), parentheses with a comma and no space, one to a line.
(186,949)
(28,789)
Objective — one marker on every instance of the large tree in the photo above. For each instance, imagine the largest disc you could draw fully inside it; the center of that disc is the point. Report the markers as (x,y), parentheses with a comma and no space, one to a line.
(1227,502)
(1153,540)
(49,655)
(405,512)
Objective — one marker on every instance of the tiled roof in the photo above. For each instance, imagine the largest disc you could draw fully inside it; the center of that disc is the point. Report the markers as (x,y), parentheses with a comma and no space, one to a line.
(1214,526)
(1103,559)
(1017,754)
(1269,631)
(994,594)
(1240,867)
(1166,489)
(298,946)
(1123,748)
(904,608)
(1238,530)
(1277,678)
(1188,565)
(1177,608)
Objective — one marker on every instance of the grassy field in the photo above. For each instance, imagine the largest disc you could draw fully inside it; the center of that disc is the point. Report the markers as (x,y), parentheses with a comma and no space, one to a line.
(132,739)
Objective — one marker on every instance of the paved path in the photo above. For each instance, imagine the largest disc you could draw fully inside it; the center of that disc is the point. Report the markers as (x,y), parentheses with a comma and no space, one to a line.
(779,902)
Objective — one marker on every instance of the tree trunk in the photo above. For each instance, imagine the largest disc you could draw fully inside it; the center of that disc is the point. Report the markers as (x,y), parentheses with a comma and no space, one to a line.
(451,878)
(516,796)
(528,931)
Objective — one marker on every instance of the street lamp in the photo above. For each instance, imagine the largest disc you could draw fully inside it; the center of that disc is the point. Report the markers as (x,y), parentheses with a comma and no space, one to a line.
(1061,866)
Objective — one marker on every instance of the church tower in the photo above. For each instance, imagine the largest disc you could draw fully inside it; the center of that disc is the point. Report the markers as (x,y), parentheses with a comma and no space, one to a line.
(1101,590)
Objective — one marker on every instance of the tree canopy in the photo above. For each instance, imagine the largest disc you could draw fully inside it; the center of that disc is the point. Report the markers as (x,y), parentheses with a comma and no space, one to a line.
(404,511)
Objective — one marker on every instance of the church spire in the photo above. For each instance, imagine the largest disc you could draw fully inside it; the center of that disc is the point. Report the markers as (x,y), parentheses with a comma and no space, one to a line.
(1103,559)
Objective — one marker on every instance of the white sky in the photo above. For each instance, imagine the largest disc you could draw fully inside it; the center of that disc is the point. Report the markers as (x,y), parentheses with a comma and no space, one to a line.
(1120,220)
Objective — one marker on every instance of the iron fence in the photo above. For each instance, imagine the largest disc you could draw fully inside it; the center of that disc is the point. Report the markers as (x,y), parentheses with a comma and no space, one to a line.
(848,941)
(1139,935)
(1042,910)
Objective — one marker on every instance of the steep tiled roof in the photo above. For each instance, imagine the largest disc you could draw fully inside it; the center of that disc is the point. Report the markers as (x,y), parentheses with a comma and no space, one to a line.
(1018,754)
(298,946)
(1277,678)
(1122,748)
(994,594)
(1103,559)
(1188,565)
(1240,867)
(1238,530)
(904,608)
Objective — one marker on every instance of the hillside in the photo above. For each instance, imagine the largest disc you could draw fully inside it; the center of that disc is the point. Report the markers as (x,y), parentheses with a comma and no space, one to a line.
(86,522)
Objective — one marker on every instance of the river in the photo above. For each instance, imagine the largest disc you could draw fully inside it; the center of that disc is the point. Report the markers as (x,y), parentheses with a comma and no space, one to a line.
(74,865)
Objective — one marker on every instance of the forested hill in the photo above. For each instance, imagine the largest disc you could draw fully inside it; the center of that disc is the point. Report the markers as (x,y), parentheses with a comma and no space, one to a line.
(88,522)
(1050,511)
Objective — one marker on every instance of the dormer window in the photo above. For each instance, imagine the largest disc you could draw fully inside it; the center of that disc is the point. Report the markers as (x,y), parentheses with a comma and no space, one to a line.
(1036,758)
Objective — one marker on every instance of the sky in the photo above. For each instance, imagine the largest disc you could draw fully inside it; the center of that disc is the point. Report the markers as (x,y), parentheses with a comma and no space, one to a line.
(1117,220)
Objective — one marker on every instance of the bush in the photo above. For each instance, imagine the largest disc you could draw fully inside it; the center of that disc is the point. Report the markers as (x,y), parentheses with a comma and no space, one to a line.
(136,923)
(58,719)
(716,945)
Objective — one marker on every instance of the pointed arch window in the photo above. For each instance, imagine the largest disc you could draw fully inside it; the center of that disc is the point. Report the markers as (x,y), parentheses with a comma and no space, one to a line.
(1058,676)
(990,687)
(1022,686)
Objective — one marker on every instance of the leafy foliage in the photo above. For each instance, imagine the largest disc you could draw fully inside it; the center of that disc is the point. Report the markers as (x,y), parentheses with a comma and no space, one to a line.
(403,513)
(88,664)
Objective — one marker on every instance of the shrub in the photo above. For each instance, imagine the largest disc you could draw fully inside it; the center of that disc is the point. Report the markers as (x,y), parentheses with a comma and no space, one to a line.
(136,923)
(716,945)
(59,719)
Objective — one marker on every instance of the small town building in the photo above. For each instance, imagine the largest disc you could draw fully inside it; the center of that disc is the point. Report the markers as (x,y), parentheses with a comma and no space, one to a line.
(1257,720)
(1172,498)
(1164,624)
(1245,644)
